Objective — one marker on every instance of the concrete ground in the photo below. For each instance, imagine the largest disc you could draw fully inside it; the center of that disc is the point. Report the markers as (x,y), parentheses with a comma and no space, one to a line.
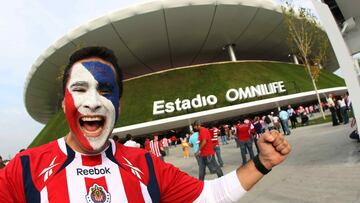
(324,166)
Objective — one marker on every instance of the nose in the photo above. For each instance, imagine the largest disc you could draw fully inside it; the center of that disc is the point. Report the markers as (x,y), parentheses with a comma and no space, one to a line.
(93,108)
(93,102)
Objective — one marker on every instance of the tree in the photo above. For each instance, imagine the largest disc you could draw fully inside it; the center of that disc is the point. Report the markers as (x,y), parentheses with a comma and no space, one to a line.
(306,40)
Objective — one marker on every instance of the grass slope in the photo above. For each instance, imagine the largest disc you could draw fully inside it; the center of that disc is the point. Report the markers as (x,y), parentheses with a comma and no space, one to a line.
(215,79)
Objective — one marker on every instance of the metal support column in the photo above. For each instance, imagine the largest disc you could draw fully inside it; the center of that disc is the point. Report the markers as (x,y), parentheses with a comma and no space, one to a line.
(296,61)
(342,54)
(231,52)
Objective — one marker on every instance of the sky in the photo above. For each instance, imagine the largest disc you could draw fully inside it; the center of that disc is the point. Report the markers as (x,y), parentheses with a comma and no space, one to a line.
(27,29)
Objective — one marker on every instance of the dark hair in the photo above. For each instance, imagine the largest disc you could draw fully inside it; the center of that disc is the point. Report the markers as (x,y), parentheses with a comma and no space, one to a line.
(128,137)
(196,122)
(241,120)
(116,138)
(98,52)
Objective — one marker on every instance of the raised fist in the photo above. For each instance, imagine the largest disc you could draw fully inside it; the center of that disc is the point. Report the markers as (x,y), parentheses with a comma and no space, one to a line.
(273,148)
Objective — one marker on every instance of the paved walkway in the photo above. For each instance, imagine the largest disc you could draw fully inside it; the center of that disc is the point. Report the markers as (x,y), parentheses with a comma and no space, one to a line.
(324,166)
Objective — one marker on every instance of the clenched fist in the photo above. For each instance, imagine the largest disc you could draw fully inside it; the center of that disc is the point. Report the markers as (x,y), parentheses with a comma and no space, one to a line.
(273,148)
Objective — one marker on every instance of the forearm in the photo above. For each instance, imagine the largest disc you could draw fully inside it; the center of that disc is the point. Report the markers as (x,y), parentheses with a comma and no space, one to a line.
(273,150)
(224,189)
(248,175)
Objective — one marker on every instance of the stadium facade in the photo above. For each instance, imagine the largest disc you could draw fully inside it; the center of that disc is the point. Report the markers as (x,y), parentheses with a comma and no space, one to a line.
(161,36)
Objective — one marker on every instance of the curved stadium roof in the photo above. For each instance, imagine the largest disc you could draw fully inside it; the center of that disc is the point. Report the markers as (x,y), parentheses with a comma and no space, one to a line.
(159,35)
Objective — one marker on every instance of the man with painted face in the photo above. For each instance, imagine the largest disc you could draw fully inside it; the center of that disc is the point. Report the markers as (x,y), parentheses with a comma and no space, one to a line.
(87,166)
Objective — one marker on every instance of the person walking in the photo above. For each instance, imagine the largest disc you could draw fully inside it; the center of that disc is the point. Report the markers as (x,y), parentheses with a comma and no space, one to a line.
(234,133)
(331,105)
(276,122)
(185,148)
(215,142)
(292,115)
(194,144)
(284,118)
(206,152)
(343,109)
(243,133)
(173,140)
(156,147)
(223,135)
(165,144)
(268,122)
(258,131)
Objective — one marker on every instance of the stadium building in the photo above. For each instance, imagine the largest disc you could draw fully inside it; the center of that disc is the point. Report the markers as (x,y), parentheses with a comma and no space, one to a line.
(183,60)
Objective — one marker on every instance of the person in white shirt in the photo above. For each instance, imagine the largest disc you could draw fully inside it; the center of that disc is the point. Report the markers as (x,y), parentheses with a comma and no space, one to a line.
(165,143)
(343,109)
(331,105)
(130,142)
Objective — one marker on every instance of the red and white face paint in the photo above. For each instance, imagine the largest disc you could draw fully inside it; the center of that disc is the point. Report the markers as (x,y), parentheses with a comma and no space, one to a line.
(90,113)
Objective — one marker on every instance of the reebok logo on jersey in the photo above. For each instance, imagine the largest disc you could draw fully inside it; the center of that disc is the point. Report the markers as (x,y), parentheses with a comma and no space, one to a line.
(136,171)
(48,171)
(93,171)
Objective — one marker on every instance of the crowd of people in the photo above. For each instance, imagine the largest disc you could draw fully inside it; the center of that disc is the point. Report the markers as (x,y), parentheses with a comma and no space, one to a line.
(339,107)
(246,131)
(205,140)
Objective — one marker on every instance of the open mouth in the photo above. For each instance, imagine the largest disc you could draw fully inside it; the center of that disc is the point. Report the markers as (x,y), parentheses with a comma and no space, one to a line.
(92,125)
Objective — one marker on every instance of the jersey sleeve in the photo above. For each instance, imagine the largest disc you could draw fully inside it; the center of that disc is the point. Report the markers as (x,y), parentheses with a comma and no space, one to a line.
(175,185)
(221,190)
(11,182)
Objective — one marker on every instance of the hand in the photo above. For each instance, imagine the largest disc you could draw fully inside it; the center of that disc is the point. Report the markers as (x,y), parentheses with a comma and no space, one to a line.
(273,148)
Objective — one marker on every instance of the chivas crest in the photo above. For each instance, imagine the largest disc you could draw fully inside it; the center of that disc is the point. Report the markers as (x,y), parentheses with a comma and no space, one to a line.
(97,194)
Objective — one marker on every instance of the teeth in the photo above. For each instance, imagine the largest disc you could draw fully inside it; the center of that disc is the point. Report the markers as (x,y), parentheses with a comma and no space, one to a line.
(92,118)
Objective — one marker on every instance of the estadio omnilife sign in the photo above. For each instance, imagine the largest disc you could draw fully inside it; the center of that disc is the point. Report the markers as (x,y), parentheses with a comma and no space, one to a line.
(162,106)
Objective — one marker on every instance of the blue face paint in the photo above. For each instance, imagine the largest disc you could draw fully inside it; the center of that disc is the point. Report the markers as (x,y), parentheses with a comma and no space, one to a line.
(107,83)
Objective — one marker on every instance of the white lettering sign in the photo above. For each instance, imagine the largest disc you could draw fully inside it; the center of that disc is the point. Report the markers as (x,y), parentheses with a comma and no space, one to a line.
(160,107)
(255,91)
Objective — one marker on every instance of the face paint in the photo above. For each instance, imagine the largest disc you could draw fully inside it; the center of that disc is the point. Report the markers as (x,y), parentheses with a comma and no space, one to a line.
(91,103)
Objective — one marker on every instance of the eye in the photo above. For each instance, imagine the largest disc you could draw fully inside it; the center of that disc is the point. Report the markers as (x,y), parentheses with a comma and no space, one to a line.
(105,92)
(81,90)
(105,89)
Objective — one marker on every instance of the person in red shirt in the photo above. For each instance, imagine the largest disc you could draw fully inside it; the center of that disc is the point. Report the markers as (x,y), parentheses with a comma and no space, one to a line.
(214,132)
(147,144)
(245,141)
(173,140)
(206,155)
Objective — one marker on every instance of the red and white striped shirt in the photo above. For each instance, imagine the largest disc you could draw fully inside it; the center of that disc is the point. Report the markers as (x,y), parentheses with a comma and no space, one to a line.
(55,173)
(215,132)
(155,148)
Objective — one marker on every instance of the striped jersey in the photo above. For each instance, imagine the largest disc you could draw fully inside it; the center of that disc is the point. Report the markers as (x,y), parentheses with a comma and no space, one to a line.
(214,132)
(155,148)
(56,173)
